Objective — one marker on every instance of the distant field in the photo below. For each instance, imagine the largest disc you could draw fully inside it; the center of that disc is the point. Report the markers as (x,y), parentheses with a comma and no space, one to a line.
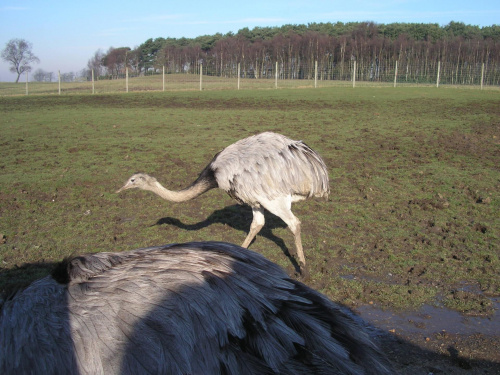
(173,82)
(189,82)
(413,216)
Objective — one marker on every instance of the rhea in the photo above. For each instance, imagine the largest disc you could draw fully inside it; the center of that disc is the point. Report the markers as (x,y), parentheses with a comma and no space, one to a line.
(266,171)
(194,308)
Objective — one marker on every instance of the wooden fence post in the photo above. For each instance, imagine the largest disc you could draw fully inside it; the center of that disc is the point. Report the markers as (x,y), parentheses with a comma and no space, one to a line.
(439,71)
(276,76)
(238,76)
(126,79)
(316,74)
(59,79)
(482,75)
(163,77)
(354,75)
(26,83)
(93,86)
(396,73)
(201,76)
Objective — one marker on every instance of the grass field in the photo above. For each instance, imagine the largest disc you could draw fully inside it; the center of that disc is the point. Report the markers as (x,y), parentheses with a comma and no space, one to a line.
(173,82)
(413,216)
(191,82)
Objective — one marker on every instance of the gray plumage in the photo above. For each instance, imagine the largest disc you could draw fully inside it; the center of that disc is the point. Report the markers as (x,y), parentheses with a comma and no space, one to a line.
(195,308)
(266,171)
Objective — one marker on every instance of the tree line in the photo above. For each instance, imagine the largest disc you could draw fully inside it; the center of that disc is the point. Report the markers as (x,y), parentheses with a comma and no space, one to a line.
(375,48)
(333,45)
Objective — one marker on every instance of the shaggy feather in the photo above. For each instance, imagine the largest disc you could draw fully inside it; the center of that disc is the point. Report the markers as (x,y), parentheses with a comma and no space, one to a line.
(191,308)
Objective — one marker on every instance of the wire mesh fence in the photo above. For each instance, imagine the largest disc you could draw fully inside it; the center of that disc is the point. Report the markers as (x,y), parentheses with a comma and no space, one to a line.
(273,75)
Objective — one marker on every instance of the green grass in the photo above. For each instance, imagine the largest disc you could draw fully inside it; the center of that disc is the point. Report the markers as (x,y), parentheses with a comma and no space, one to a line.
(191,82)
(173,82)
(413,214)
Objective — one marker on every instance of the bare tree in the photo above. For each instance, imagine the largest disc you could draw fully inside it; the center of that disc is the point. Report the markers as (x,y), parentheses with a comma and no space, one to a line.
(115,59)
(95,63)
(40,75)
(18,53)
(68,77)
(85,74)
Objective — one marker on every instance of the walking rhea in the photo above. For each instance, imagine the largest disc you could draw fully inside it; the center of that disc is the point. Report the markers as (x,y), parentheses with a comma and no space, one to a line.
(266,171)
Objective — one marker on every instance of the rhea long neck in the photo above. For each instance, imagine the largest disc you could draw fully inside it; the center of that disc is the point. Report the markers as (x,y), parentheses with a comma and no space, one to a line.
(196,189)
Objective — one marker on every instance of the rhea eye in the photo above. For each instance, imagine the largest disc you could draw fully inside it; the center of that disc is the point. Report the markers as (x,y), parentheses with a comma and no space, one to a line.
(132,180)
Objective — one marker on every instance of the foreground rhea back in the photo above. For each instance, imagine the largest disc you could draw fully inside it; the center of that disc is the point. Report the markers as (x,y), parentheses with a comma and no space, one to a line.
(196,308)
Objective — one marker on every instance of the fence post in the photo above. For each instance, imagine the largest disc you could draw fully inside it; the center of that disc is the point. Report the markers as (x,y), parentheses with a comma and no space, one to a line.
(439,71)
(163,77)
(201,76)
(354,76)
(276,76)
(93,86)
(59,79)
(482,75)
(126,79)
(396,73)
(315,73)
(238,76)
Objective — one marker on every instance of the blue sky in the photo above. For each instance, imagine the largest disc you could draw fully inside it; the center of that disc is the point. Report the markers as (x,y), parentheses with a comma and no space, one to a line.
(65,34)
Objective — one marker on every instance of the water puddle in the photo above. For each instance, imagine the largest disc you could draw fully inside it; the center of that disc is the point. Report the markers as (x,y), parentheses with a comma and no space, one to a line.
(431,319)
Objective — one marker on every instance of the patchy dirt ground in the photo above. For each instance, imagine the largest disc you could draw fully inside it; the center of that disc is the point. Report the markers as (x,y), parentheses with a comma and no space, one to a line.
(412,220)
(437,341)
(434,340)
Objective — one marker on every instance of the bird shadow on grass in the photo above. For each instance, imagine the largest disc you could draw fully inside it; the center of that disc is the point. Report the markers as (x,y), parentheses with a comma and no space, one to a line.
(238,217)
(19,277)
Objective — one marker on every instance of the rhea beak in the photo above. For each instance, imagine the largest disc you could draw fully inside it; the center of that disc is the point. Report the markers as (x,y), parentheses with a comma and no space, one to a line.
(124,187)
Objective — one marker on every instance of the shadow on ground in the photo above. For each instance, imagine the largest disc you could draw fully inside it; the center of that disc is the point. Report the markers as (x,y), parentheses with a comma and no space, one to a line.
(20,277)
(239,217)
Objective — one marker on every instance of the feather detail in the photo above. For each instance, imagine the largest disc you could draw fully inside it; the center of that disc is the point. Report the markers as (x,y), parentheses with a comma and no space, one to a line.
(205,307)
(270,165)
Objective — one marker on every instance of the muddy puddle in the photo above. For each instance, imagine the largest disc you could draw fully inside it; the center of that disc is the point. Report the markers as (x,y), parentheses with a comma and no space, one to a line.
(430,320)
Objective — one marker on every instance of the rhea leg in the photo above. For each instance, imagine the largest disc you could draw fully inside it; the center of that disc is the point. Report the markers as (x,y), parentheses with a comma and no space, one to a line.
(282,207)
(257,224)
